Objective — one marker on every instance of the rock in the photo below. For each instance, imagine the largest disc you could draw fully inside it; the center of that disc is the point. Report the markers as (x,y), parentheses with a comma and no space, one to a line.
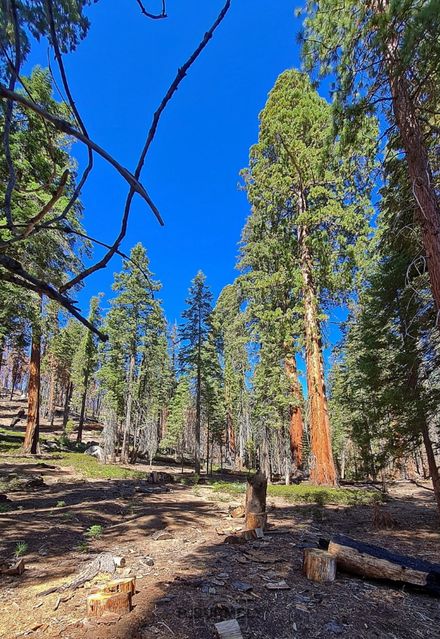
(241,586)
(95,451)
(334,627)
(208,589)
(147,561)
(162,535)
(4,499)
(50,447)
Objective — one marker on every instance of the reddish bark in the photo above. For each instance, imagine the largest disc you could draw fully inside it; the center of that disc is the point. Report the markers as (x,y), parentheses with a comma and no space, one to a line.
(30,444)
(432,464)
(322,469)
(413,142)
(296,426)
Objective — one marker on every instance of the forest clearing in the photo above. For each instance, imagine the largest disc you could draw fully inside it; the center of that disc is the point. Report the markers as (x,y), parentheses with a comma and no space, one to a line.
(191,579)
(219,319)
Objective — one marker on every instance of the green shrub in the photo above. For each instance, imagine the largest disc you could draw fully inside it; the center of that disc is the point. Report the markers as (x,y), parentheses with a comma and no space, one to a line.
(21,549)
(307,494)
(94,532)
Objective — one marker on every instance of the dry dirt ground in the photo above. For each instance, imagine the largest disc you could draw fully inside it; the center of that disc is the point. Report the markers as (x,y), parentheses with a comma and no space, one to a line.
(196,579)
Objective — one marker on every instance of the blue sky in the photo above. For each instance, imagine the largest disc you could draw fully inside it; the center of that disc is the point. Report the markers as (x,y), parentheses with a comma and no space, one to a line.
(118,76)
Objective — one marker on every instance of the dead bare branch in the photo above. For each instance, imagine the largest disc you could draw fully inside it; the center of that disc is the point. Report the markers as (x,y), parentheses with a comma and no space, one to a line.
(8,120)
(153,16)
(181,73)
(20,277)
(75,112)
(68,129)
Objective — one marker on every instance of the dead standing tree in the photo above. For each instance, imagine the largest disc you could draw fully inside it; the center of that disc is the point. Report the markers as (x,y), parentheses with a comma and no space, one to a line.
(12,270)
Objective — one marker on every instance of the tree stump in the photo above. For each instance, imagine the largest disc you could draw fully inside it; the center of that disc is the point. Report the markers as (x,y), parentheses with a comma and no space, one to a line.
(121,585)
(319,565)
(12,567)
(108,602)
(255,505)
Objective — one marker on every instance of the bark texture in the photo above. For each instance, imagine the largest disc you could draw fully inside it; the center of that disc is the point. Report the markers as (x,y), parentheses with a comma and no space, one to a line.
(416,153)
(296,426)
(322,470)
(255,505)
(30,444)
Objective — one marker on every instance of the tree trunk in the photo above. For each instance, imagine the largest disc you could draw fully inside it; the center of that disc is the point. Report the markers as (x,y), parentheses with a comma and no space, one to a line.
(322,469)
(126,436)
(432,463)
(50,412)
(265,456)
(230,435)
(419,169)
(296,428)
(30,444)
(198,409)
(207,449)
(67,398)
(255,507)
(83,408)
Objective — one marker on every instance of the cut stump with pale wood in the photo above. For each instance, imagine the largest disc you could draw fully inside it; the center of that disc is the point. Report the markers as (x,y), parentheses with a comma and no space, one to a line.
(121,585)
(102,603)
(255,504)
(319,565)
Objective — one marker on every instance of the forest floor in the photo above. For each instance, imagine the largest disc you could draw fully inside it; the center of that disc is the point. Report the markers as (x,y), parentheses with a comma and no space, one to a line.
(191,579)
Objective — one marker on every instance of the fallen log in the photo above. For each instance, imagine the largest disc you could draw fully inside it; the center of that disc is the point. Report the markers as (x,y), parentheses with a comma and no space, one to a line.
(374,562)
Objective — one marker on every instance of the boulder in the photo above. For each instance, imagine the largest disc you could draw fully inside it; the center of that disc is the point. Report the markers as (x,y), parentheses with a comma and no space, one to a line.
(95,451)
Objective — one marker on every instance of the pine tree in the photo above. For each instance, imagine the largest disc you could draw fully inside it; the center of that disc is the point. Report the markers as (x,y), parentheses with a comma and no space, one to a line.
(178,416)
(193,336)
(85,363)
(385,56)
(386,388)
(42,163)
(133,317)
(230,325)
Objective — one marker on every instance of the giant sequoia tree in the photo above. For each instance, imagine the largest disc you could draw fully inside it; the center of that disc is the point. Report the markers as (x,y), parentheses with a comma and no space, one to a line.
(310,206)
